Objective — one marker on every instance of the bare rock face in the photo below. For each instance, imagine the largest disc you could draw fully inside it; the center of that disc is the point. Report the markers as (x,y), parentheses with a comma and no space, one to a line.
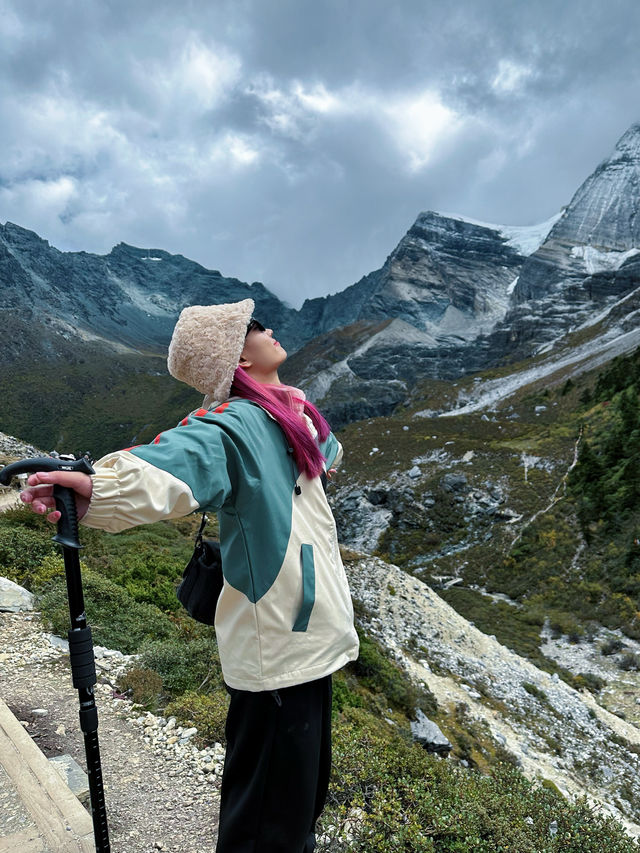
(445,285)
(590,259)
(449,278)
(604,211)
(427,733)
(131,296)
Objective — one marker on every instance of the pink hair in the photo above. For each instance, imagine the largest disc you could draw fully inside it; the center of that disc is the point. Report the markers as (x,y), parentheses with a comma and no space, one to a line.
(279,404)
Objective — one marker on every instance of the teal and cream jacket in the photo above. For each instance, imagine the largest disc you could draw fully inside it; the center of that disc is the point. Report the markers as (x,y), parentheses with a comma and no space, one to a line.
(285,615)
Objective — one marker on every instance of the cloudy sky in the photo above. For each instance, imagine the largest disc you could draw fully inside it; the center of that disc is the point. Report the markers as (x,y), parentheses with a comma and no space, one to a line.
(295,141)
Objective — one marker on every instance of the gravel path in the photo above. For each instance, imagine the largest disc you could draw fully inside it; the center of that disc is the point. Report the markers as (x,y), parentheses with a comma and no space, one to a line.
(162,793)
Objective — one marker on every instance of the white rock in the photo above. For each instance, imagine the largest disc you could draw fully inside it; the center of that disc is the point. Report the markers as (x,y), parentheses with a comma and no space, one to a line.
(58,642)
(14,598)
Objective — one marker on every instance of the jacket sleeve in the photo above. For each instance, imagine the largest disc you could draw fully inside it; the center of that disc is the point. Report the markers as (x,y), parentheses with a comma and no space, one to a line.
(182,470)
(332,451)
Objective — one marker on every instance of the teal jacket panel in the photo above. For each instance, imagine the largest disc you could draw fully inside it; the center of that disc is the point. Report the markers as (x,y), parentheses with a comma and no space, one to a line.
(241,469)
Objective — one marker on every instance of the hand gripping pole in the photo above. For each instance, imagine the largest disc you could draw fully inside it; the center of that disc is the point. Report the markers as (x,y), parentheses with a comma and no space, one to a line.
(83,670)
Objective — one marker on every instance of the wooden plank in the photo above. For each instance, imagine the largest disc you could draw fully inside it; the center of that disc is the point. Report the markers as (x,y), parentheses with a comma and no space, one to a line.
(64,824)
(23,842)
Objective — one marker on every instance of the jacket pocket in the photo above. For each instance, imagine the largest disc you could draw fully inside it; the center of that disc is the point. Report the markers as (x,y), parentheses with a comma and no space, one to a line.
(308,588)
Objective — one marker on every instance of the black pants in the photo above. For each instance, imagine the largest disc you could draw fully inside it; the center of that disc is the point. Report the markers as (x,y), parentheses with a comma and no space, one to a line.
(276,771)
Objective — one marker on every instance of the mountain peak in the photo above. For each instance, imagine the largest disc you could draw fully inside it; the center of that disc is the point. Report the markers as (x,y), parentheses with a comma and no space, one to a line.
(604,211)
(629,142)
(17,236)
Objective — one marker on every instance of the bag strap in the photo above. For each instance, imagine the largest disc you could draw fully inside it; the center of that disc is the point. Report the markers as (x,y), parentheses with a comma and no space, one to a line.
(198,539)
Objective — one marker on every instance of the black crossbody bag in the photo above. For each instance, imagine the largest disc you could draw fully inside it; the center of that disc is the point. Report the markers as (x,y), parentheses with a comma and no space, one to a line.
(202,579)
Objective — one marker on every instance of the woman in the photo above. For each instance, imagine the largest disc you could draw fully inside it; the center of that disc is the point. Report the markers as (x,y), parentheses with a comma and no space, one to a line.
(284,621)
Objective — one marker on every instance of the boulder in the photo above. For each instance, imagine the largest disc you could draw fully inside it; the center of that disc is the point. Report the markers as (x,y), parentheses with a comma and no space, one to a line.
(455,483)
(14,598)
(428,734)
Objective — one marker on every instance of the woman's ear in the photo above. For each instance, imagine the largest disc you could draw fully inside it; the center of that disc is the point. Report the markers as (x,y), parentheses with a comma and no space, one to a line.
(244,362)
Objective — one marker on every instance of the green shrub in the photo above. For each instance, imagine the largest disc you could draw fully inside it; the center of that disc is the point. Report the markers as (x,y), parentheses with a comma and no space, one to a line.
(207,712)
(388,795)
(22,550)
(630,662)
(377,672)
(567,625)
(184,666)
(612,646)
(148,573)
(534,690)
(143,685)
(589,681)
(51,566)
(117,621)
(344,693)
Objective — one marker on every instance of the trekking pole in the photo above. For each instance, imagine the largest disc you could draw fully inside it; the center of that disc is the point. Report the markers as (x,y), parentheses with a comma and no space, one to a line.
(83,670)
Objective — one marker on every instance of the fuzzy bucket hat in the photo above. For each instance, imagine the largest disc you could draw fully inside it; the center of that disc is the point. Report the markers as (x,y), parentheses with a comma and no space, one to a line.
(206,345)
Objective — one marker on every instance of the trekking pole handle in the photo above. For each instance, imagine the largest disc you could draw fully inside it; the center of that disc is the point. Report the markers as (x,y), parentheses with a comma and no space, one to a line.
(67,532)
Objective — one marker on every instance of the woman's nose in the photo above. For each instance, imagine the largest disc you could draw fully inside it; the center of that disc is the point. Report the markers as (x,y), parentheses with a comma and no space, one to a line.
(269,332)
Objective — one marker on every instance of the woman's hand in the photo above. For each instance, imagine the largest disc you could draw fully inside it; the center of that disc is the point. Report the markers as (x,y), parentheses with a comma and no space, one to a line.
(40,492)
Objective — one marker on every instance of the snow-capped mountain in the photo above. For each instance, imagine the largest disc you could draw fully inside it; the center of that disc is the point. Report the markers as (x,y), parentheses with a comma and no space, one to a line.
(604,211)
(591,257)
(478,295)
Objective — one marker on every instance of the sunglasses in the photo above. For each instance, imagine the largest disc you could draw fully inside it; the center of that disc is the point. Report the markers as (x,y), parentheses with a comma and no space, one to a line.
(255,326)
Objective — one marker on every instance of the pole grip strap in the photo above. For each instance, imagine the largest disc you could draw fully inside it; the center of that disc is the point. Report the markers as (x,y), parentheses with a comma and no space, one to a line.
(83,665)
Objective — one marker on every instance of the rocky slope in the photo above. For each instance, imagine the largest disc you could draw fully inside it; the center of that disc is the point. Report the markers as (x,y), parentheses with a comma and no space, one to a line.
(552,731)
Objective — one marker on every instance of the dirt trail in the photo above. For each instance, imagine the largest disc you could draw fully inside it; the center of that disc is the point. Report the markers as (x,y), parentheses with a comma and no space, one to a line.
(153,804)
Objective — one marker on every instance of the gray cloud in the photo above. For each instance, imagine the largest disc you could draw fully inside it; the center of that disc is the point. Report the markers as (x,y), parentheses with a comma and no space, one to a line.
(294,142)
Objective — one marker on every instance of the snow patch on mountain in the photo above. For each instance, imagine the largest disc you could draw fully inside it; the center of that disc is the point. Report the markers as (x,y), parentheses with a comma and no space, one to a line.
(585,357)
(525,239)
(596,260)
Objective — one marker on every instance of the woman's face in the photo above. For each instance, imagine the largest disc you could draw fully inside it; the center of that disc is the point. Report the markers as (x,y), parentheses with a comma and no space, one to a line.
(262,355)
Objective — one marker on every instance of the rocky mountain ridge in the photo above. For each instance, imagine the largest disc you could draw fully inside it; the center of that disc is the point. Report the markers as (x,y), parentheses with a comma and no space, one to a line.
(453,298)
(129,297)
(493,300)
